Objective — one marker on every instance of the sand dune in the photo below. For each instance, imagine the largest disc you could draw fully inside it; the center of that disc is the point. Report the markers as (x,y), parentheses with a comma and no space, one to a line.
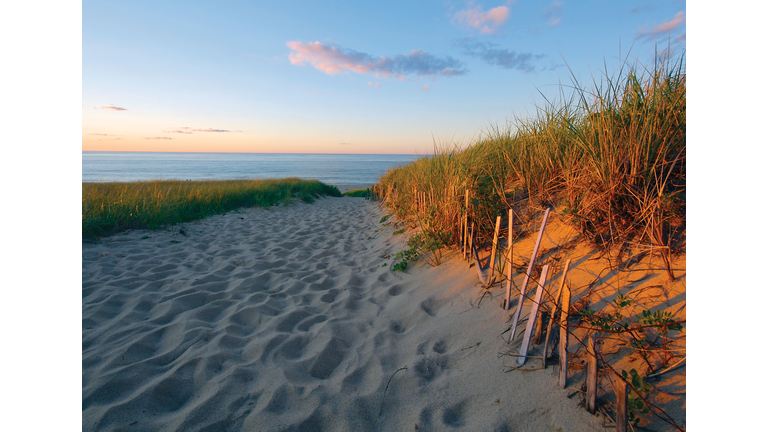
(291,318)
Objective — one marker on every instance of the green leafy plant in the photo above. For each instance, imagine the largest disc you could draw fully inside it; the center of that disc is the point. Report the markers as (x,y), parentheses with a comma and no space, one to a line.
(405,256)
(638,334)
(402,265)
(635,404)
(400,231)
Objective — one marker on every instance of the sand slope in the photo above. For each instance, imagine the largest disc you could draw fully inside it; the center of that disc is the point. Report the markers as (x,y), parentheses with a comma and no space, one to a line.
(285,319)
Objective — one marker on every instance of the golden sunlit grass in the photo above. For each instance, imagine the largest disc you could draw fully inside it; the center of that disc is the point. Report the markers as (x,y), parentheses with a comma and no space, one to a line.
(611,158)
(109,208)
(357,193)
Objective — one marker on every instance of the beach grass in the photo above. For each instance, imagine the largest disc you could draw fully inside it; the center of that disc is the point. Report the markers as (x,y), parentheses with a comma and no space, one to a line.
(356,193)
(109,208)
(610,156)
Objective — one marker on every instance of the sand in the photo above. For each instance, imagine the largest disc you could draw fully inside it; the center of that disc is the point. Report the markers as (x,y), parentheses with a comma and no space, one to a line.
(291,318)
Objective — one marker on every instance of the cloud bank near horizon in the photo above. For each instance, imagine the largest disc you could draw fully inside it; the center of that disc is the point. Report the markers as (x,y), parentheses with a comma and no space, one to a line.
(332,59)
(111,107)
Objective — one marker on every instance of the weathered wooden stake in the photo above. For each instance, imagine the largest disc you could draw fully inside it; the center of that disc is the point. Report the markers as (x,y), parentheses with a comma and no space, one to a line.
(591,374)
(466,217)
(527,276)
(509,258)
(471,240)
(621,405)
(532,315)
(554,308)
(492,264)
(536,338)
(565,305)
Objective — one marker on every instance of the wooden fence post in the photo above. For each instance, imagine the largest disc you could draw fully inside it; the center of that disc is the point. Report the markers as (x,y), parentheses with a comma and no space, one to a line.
(536,338)
(471,242)
(621,405)
(509,257)
(492,264)
(532,315)
(527,276)
(466,217)
(591,374)
(554,308)
(565,306)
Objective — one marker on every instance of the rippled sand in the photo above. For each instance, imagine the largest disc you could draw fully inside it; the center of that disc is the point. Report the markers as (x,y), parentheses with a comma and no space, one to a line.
(291,318)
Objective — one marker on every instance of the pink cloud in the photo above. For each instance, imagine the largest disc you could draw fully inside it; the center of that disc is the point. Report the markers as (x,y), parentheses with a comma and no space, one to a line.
(332,60)
(165,138)
(178,131)
(111,107)
(370,84)
(487,22)
(425,87)
(328,59)
(666,27)
(553,22)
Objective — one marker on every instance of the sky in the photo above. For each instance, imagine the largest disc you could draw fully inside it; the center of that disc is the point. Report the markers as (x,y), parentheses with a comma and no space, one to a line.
(344,76)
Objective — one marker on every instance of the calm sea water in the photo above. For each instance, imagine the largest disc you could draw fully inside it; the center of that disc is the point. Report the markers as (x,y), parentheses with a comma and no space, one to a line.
(332,169)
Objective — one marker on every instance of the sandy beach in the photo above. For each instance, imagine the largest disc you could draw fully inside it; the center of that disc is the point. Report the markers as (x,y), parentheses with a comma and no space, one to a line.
(292,318)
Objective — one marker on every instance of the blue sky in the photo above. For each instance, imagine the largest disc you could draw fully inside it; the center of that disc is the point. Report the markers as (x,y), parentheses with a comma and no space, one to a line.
(342,76)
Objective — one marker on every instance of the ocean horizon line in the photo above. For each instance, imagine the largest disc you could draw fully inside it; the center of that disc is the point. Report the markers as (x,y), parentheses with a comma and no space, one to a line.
(259,153)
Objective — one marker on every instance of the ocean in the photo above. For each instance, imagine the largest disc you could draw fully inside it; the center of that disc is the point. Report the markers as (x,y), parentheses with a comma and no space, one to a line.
(334,169)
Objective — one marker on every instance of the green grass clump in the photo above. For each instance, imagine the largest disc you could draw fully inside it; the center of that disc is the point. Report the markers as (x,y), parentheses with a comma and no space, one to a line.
(356,193)
(610,158)
(109,208)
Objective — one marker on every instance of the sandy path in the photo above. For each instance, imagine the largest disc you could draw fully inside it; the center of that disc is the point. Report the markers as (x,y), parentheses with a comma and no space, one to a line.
(285,319)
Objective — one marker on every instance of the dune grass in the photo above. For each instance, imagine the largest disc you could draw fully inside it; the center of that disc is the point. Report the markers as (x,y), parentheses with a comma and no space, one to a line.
(356,193)
(610,157)
(109,208)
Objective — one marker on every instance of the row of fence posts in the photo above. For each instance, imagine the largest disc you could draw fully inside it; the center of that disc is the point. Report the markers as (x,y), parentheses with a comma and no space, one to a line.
(372,193)
(561,303)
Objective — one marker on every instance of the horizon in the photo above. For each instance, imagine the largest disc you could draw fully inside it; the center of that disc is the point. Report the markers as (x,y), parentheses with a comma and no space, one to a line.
(342,77)
(222,152)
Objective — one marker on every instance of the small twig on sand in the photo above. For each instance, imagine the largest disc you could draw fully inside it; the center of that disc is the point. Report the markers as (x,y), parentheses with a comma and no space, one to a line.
(381,408)
(470,347)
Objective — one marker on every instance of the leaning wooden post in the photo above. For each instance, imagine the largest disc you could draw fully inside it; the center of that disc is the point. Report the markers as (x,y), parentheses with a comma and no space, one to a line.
(621,405)
(466,217)
(536,338)
(532,315)
(471,241)
(492,264)
(509,257)
(591,374)
(527,276)
(554,308)
(565,306)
